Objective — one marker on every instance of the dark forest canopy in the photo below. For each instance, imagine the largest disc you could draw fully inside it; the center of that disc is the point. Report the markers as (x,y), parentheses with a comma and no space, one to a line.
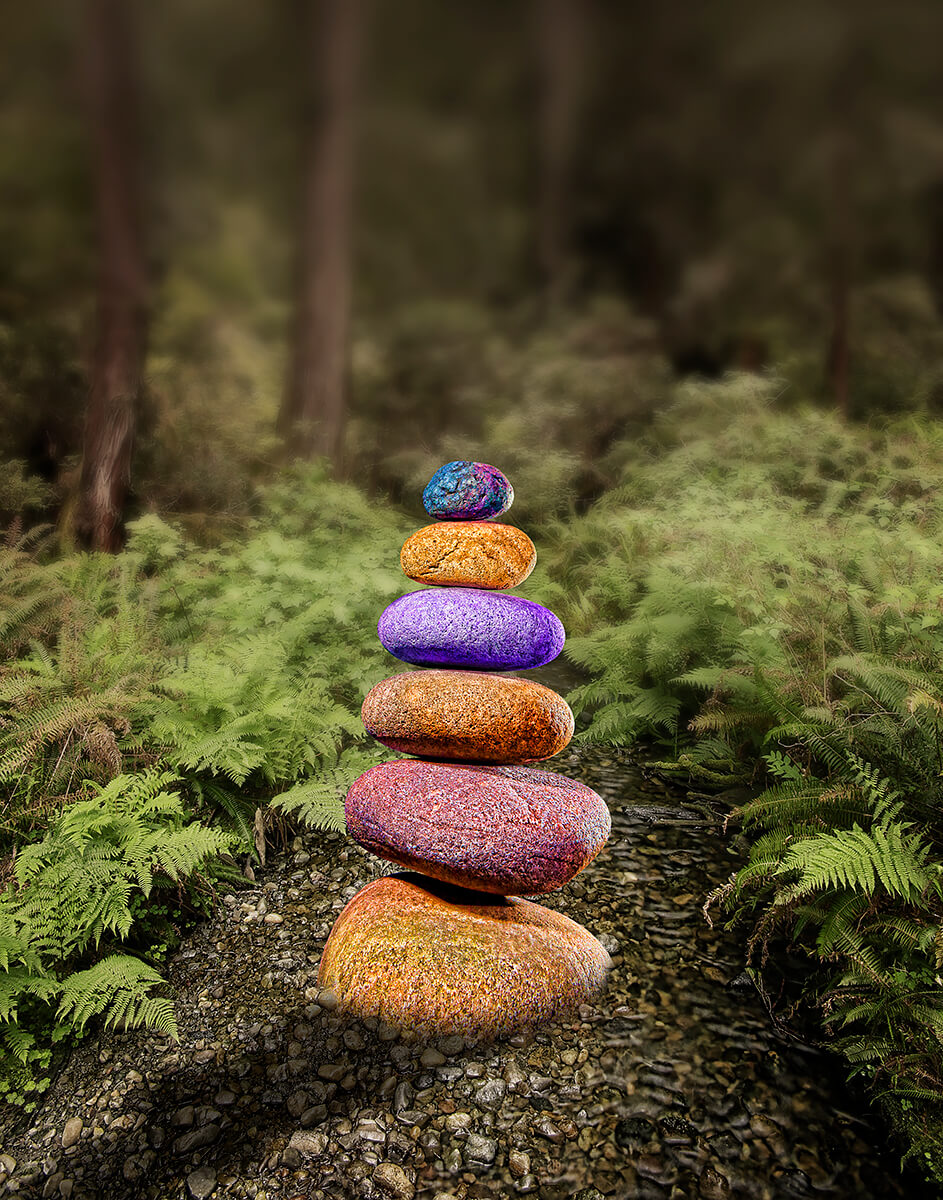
(738,186)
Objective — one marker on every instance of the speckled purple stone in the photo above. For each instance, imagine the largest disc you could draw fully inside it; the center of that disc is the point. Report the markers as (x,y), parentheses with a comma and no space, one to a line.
(467,491)
(470,627)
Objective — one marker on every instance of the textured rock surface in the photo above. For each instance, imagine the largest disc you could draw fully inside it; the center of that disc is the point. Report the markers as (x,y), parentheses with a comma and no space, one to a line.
(477,554)
(510,830)
(467,491)
(470,627)
(469,716)
(426,956)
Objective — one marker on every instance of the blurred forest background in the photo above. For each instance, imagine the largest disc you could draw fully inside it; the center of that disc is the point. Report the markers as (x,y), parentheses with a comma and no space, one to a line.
(558,209)
(677,270)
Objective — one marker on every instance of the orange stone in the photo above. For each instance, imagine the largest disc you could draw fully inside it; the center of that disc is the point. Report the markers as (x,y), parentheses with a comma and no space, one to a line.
(479,554)
(469,716)
(427,956)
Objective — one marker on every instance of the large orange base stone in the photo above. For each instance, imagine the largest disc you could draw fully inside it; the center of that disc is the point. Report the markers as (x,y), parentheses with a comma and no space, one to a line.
(437,959)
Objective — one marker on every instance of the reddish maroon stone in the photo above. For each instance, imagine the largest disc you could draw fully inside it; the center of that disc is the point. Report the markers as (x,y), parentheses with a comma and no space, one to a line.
(511,830)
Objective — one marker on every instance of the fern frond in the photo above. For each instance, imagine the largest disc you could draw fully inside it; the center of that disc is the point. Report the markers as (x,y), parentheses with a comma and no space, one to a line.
(118,987)
(886,856)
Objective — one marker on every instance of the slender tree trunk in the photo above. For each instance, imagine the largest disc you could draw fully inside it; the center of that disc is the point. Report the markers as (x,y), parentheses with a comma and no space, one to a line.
(838,362)
(560,30)
(312,415)
(934,224)
(118,355)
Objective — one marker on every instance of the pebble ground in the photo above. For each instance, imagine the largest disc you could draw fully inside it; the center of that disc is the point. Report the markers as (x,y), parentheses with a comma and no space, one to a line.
(676,1084)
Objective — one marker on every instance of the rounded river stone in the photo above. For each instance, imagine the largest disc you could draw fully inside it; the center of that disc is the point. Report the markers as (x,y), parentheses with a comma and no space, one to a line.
(510,830)
(469,716)
(469,627)
(467,491)
(476,554)
(426,956)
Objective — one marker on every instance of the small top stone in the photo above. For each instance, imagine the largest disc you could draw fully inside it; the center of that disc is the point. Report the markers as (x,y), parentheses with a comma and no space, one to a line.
(467,491)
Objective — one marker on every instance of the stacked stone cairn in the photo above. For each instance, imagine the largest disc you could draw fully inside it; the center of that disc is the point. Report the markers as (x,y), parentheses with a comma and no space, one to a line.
(449,947)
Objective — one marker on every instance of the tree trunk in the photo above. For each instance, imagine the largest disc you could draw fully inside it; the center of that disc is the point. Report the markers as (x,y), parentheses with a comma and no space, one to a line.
(312,415)
(839,270)
(560,37)
(933,206)
(118,355)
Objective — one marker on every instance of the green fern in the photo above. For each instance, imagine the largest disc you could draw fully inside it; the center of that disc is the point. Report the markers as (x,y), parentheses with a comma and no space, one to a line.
(886,856)
(119,989)
(319,802)
(75,885)
(74,890)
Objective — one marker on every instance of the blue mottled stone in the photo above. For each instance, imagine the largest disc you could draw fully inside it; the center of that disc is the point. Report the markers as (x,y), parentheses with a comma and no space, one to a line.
(467,491)
(471,628)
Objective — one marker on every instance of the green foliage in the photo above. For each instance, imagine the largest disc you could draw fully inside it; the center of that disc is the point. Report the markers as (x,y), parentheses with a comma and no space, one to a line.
(449,381)
(117,987)
(242,667)
(884,859)
(319,802)
(651,671)
(76,894)
(277,644)
(70,697)
(760,595)
(20,490)
(838,865)
(235,674)
(74,886)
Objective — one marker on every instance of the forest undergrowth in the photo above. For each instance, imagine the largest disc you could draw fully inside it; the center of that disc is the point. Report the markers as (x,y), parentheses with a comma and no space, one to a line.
(758,594)
(160,711)
(761,597)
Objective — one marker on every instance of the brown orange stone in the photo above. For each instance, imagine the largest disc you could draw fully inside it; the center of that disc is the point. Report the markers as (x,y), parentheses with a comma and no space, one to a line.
(479,554)
(469,716)
(426,956)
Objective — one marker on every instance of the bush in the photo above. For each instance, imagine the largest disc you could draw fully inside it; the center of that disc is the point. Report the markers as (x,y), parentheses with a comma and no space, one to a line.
(760,595)
(234,674)
(72,905)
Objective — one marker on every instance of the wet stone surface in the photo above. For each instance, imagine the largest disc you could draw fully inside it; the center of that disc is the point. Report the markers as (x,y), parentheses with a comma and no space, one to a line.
(675,1085)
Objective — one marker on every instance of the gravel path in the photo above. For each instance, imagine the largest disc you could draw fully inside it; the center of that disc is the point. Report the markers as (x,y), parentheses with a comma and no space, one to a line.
(674,1085)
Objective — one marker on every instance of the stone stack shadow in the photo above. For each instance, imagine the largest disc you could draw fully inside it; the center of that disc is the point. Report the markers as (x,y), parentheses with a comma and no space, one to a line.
(450,947)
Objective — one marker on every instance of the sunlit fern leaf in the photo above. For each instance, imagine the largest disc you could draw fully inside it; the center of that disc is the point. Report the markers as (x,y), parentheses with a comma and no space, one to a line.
(886,856)
(783,768)
(18,984)
(866,1049)
(724,719)
(18,1042)
(119,987)
(318,802)
(806,805)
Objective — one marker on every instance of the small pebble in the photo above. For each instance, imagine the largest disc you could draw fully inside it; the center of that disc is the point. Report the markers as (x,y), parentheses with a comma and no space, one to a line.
(201,1183)
(72,1132)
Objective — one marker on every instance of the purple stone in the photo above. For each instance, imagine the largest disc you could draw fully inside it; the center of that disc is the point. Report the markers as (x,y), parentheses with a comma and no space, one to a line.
(467,491)
(472,628)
